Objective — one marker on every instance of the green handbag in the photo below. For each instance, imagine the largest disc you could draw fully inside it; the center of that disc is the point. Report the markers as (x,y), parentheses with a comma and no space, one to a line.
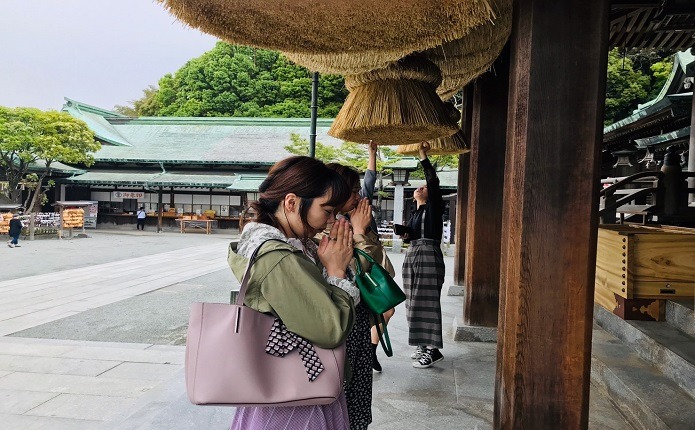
(379,292)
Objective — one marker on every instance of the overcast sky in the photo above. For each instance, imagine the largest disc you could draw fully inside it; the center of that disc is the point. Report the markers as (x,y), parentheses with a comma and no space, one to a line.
(100,52)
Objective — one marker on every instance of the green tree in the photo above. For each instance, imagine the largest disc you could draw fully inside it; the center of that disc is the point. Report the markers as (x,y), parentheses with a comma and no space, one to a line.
(661,70)
(28,135)
(350,154)
(148,105)
(232,80)
(625,87)
(633,77)
(16,148)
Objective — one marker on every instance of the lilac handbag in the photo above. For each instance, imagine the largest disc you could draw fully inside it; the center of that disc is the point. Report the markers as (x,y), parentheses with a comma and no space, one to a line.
(227,362)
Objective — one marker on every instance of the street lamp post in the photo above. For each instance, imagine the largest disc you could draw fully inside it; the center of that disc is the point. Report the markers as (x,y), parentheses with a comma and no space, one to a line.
(400,179)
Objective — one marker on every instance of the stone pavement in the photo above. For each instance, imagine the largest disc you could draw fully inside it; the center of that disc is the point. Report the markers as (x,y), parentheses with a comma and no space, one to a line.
(65,372)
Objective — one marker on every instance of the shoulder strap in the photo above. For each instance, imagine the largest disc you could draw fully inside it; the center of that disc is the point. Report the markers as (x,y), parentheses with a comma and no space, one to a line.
(357,253)
(247,273)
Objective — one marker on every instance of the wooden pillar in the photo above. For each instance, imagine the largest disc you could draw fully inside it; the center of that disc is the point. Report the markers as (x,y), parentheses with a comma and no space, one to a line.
(160,210)
(462,190)
(485,190)
(691,149)
(549,228)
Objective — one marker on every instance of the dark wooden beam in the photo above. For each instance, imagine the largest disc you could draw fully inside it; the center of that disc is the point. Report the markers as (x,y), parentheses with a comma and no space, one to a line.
(160,210)
(462,190)
(485,188)
(549,228)
(691,148)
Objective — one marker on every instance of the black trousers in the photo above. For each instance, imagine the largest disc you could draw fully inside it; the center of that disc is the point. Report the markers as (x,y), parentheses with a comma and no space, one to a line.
(141,224)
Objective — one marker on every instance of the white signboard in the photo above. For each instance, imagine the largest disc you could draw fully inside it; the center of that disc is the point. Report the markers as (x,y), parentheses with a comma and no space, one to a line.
(118,196)
(446,232)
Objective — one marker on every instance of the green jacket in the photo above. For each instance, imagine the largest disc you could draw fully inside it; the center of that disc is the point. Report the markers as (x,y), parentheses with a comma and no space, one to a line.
(287,284)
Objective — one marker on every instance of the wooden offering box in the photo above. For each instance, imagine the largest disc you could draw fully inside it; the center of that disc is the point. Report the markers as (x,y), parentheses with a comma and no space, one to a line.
(638,267)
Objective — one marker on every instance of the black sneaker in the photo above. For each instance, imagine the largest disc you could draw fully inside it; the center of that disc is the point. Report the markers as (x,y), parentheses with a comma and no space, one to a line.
(428,358)
(418,352)
(375,361)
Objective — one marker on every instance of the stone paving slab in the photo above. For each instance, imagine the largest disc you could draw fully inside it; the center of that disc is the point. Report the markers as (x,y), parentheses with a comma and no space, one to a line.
(74,384)
(28,422)
(21,401)
(126,354)
(56,365)
(143,371)
(81,407)
(100,285)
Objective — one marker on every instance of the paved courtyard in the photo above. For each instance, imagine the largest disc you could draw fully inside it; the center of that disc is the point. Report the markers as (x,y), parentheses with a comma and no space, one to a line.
(92,333)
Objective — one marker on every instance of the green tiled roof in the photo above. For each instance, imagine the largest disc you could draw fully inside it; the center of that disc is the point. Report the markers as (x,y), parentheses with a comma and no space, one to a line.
(681,134)
(408,163)
(56,167)
(153,179)
(681,60)
(671,93)
(247,183)
(230,141)
(95,119)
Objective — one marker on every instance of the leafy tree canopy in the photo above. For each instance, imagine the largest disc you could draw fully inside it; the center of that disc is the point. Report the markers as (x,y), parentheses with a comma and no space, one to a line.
(28,135)
(348,153)
(633,78)
(240,81)
(356,156)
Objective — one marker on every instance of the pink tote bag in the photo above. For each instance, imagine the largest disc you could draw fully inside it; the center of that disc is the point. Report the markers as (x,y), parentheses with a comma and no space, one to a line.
(226,361)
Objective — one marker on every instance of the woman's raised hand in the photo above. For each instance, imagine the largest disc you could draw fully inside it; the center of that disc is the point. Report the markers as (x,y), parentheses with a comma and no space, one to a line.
(335,250)
(361,217)
(424,147)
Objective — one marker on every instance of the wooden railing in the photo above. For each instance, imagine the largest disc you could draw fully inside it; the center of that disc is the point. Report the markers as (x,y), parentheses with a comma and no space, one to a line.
(615,204)
(665,197)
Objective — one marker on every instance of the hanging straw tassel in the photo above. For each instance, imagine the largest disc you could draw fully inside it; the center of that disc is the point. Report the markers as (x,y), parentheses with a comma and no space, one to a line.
(455,144)
(464,59)
(397,105)
(335,36)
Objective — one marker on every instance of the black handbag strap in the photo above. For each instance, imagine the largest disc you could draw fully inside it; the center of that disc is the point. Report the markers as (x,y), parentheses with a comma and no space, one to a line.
(379,320)
(247,272)
(384,338)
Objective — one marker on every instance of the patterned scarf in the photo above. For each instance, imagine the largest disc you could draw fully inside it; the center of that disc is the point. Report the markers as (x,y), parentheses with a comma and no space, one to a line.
(282,341)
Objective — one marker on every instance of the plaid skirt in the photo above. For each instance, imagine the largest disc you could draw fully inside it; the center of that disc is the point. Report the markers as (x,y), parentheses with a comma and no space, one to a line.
(423,278)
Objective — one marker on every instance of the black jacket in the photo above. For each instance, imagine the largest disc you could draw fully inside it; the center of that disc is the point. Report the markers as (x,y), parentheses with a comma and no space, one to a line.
(433,209)
(15,227)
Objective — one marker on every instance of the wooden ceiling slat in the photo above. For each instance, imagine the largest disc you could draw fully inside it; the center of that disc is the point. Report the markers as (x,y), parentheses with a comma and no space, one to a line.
(638,33)
(665,39)
(617,26)
(644,14)
(634,24)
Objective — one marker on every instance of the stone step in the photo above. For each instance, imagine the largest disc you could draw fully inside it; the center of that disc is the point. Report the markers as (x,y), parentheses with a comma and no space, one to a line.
(646,397)
(680,314)
(666,348)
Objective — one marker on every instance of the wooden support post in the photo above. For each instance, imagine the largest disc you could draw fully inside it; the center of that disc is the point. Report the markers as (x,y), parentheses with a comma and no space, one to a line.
(160,210)
(485,190)
(462,191)
(691,151)
(549,228)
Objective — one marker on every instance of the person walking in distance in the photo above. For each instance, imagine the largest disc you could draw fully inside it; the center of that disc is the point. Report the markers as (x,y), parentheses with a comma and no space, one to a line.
(15,231)
(423,269)
(141,218)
